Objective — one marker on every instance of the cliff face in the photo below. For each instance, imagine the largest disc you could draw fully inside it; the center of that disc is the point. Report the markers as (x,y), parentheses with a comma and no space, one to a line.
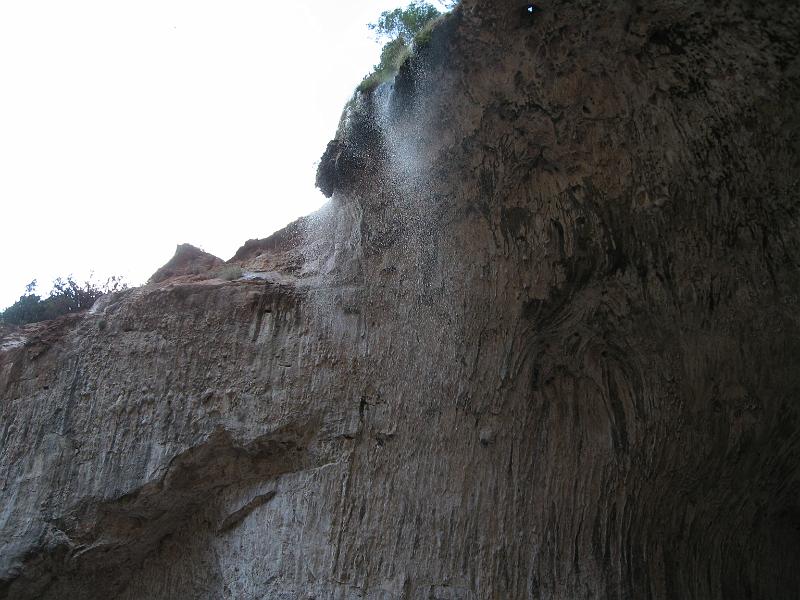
(542,343)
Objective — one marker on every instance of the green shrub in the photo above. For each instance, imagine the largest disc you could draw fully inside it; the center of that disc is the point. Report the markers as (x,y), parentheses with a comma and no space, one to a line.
(229,273)
(423,36)
(393,55)
(67,296)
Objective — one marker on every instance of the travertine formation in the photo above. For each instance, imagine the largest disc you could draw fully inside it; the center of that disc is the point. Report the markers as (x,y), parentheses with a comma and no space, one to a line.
(542,343)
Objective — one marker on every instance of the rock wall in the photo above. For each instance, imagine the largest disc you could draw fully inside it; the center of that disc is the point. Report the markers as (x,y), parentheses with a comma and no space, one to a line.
(542,343)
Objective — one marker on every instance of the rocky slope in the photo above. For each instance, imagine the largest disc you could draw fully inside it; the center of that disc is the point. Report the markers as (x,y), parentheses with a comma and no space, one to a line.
(542,343)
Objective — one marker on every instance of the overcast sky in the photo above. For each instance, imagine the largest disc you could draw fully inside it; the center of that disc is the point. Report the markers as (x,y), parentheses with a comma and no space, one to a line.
(129,127)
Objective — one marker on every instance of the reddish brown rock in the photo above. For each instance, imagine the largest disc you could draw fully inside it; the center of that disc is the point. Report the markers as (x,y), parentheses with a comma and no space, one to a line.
(188,260)
(542,343)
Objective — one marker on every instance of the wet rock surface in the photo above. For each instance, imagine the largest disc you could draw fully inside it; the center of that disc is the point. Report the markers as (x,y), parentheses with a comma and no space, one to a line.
(542,343)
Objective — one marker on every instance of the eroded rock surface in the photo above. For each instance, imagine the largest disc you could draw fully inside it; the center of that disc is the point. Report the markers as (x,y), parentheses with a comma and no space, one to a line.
(542,343)
(187,260)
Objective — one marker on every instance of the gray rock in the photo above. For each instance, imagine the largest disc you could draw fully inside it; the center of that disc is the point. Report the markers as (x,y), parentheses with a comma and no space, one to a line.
(543,343)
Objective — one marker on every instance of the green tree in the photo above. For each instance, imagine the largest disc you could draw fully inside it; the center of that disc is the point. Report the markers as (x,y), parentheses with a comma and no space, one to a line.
(402,27)
(404,23)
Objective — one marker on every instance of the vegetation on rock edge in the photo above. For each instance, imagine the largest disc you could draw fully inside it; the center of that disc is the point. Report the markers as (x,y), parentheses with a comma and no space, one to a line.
(67,296)
(406,29)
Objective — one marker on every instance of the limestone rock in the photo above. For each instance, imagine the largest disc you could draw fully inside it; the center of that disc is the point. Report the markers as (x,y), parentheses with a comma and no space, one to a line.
(542,343)
(188,260)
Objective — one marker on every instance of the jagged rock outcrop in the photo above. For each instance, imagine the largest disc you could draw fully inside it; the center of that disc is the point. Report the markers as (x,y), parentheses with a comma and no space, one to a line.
(187,260)
(542,343)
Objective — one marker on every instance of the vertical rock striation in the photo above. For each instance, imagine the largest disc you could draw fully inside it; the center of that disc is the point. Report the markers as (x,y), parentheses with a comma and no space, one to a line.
(542,343)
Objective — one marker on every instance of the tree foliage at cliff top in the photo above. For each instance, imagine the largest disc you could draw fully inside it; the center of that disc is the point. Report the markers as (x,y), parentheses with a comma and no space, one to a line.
(404,23)
(401,27)
(67,296)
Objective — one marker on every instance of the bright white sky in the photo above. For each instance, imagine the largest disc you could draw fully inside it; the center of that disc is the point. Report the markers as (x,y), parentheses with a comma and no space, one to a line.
(129,127)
